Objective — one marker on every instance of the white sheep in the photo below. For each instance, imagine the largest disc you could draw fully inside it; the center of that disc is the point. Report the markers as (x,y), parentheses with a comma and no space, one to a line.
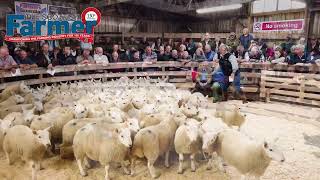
(15,108)
(17,118)
(20,89)
(12,100)
(71,128)
(232,118)
(209,130)
(21,142)
(92,142)
(249,157)
(187,140)
(154,141)
(189,110)
(56,118)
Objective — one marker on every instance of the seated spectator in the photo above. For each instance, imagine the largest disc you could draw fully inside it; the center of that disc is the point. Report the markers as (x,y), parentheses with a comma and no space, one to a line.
(240,53)
(45,58)
(199,55)
(298,55)
(161,54)
(115,57)
(24,61)
(278,56)
(191,47)
(156,45)
(208,41)
(186,56)
(136,57)
(167,54)
(132,43)
(99,57)
(56,53)
(209,53)
(6,61)
(66,58)
(199,45)
(254,55)
(174,55)
(313,46)
(270,51)
(204,79)
(182,48)
(85,58)
(287,46)
(170,43)
(31,53)
(85,44)
(143,44)
(115,48)
(149,55)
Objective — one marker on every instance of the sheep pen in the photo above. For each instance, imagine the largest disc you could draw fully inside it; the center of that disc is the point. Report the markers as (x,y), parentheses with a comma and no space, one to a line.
(296,128)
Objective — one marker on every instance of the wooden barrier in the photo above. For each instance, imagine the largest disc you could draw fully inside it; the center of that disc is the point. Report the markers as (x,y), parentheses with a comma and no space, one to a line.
(301,88)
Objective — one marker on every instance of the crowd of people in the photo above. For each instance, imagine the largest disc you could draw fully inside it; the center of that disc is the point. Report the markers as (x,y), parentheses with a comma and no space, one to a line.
(245,48)
(227,54)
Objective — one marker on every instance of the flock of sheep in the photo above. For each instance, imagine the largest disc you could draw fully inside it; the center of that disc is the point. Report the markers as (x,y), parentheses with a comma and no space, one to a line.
(121,121)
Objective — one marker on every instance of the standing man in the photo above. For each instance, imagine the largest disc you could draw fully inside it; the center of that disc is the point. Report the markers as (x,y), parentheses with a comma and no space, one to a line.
(208,41)
(233,42)
(227,71)
(245,39)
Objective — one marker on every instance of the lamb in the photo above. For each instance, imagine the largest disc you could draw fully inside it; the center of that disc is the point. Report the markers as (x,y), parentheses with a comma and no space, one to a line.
(2,134)
(152,142)
(209,130)
(150,120)
(17,118)
(12,100)
(15,108)
(71,128)
(92,142)
(20,89)
(21,142)
(187,140)
(57,118)
(189,110)
(233,118)
(252,158)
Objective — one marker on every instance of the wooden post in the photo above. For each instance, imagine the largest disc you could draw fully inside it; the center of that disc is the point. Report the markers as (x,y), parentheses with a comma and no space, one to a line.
(263,85)
(307,23)
(301,88)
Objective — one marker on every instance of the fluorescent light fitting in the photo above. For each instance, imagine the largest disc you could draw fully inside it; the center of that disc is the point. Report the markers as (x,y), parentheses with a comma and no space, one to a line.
(219,8)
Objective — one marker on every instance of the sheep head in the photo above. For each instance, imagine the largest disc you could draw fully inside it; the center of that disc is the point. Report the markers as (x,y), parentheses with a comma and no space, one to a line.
(271,151)
(43,136)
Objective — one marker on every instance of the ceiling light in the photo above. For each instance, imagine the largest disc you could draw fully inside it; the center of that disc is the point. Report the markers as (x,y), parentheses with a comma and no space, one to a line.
(219,8)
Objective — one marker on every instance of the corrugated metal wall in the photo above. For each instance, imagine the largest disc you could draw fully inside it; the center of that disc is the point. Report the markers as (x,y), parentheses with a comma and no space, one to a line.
(280,16)
(117,24)
(315,25)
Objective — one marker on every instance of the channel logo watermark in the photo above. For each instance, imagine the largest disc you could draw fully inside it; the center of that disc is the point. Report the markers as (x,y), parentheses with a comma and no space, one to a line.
(32,30)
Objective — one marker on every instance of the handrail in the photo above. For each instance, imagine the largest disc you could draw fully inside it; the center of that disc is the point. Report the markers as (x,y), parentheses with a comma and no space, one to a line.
(251,71)
(313,68)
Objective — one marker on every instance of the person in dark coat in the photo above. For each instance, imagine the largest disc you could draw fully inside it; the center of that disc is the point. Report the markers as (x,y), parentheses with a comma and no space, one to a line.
(67,58)
(45,58)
